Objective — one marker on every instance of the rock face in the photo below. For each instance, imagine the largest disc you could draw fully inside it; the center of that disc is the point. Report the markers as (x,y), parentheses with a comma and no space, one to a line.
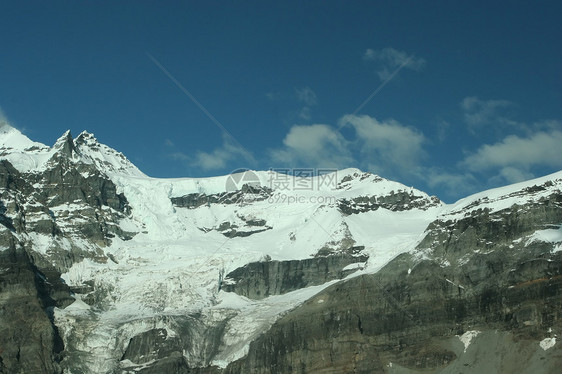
(151,345)
(158,351)
(367,323)
(258,280)
(241,228)
(247,194)
(395,201)
(69,199)
(29,341)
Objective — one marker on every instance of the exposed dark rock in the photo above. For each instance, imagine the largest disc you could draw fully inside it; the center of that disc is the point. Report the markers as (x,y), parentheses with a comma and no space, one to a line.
(231,230)
(10,178)
(395,201)
(152,345)
(29,341)
(247,194)
(6,221)
(248,226)
(345,245)
(344,182)
(258,280)
(366,323)
(66,200)
(232,233)
(155,351)
(65,146)
(255,222)
(174,363)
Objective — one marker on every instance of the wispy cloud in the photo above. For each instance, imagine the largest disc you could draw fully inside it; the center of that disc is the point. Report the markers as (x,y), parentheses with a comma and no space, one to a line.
(6,123)
(2,116)
(3,119)
(273,96)
(179,156)
(389,59)
(298,104)
(478,114)
(306,96)
(390,63)
(305,113)
(510,174)
(453,182)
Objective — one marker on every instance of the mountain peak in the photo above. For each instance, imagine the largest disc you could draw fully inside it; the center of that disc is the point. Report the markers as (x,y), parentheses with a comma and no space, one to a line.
(105,158)
(23,153)
(65,145)
(27,155)
(12,138)
(85,137)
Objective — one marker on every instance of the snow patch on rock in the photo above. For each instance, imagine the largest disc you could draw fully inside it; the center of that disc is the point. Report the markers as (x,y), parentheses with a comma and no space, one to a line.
(467,337)
(547,343)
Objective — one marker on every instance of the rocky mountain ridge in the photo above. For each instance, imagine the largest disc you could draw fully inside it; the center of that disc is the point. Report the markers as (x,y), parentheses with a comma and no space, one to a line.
(353,273)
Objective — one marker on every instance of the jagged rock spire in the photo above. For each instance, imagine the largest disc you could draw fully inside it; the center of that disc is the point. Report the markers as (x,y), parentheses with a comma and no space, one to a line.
(65,145)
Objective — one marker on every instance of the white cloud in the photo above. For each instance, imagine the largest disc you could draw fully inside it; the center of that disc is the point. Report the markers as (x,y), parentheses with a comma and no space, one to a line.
(306,96)
(391,143)
(390,59)
(387,148)
(510,160)
(217,159)
(541,148)
(514,157)
(511,174)
(313,146)
(397,151)
(221,156)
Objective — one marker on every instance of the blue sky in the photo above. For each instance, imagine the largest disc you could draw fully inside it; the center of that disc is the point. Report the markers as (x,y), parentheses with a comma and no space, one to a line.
(467,94)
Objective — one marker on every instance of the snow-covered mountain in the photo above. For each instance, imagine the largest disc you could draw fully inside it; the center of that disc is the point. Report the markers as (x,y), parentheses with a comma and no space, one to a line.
(139,274)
